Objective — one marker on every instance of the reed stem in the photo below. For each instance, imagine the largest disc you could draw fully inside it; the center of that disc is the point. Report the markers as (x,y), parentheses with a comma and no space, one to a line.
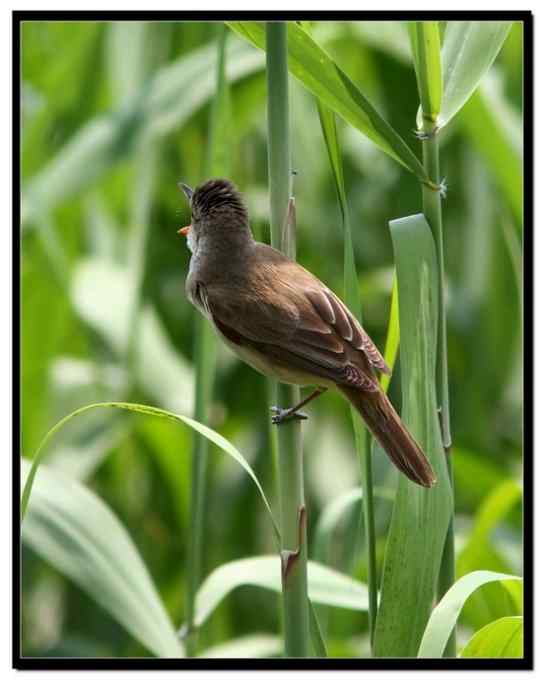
(432,208)
(290,457)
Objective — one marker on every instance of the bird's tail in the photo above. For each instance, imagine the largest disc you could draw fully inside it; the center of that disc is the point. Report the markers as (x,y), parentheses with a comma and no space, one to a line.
(387,427)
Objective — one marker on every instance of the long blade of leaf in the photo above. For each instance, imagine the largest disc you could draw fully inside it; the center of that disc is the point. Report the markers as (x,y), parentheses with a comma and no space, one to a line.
(75,531)
(469,50)
(311,65)
(446,613)
(210,434)
(325,585)
(420,516)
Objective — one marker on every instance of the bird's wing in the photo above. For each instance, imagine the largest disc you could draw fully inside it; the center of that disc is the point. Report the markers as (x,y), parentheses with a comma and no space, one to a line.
(293,318)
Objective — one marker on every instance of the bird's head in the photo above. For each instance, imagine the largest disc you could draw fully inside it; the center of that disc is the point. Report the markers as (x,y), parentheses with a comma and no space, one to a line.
(217,211)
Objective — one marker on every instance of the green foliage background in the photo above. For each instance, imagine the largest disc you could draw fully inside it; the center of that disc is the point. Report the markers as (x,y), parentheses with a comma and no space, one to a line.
(113,115)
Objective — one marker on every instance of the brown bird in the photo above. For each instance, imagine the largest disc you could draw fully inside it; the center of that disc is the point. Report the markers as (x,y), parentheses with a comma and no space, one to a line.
(284,322)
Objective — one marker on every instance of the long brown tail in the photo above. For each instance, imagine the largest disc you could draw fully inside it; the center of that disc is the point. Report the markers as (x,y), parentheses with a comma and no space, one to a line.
(385,424)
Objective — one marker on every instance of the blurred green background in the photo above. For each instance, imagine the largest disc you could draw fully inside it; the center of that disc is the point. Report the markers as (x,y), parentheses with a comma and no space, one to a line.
(113,116)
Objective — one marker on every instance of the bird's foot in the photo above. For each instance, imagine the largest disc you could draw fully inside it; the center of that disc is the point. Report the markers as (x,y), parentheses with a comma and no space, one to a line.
(280,415)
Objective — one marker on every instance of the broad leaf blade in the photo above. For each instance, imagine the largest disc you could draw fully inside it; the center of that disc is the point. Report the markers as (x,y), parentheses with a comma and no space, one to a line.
(502,639)
(469,50)
(77,533)
(420,516)
(325,585)
(311,65)
(446,613)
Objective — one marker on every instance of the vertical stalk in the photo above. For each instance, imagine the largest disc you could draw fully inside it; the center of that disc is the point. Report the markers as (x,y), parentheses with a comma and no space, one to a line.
(205,356)
(432,208)
(290,458)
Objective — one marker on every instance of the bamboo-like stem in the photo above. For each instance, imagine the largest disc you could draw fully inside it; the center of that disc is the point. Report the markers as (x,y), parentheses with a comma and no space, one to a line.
(205,357)
(290,458)
(432,208)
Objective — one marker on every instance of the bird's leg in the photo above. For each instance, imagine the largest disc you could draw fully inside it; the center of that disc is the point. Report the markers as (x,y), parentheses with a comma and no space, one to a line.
(280,416)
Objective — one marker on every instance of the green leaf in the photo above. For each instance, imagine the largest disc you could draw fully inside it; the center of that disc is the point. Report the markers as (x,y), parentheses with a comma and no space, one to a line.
(325,585)
(502,639)
(78,534)
(446,613)
(311,65)
(210,434)
(425,39)
(420,516)
(469,50)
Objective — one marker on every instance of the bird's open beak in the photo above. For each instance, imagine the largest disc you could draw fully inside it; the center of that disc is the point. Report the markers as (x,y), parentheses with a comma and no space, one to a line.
(186,190)
(184,231)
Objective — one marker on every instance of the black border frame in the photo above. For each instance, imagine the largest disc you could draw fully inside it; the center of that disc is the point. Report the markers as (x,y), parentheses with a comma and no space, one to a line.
(527,662)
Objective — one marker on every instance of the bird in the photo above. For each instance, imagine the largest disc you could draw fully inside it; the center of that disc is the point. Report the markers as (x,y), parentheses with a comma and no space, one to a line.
(284,322)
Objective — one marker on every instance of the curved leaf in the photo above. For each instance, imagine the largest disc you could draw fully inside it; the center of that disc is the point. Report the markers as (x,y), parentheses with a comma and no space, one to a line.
(446,613)
(210,434)
(311,65)
(325,585)
(72,529)
(501,639)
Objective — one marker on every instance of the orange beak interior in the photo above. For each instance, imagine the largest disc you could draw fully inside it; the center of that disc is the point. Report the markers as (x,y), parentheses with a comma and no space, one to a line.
(184,231)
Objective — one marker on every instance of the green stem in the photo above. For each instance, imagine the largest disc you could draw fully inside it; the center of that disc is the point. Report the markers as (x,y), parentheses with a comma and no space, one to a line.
(290,458)
(432,208)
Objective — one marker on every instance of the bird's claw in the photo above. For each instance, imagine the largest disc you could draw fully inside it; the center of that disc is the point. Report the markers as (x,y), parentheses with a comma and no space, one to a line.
(280,416)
